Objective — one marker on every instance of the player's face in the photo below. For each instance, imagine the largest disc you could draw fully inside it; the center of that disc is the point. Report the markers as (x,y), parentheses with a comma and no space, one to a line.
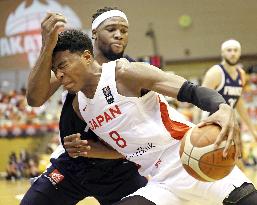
(231,55)
(70,69)
(112,37)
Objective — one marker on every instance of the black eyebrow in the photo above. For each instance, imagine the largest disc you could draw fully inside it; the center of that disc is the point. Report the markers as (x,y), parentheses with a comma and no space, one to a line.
(54,68)
(61,63)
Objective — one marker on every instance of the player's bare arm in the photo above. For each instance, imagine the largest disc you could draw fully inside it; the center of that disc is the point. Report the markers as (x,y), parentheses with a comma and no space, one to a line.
(40,84)
(243,76)
(212,77)
(241,109)
(146,76)
(88,148)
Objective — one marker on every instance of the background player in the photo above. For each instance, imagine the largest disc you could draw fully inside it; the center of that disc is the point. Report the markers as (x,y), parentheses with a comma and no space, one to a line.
(229,79)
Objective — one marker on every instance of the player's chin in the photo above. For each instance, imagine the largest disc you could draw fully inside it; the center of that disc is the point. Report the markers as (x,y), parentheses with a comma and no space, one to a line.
(72,90)
(118,53)
(232,62)
(117,50)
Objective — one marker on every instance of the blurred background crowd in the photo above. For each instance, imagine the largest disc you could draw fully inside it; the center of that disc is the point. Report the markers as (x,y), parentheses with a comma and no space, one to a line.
(184,38)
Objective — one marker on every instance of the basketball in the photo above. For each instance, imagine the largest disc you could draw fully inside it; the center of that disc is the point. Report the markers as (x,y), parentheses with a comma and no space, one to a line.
(200,159)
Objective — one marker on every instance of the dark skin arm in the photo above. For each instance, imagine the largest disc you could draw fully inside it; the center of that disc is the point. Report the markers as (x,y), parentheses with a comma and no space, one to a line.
(88,148)
(150,77)
(75,146)
(41,85)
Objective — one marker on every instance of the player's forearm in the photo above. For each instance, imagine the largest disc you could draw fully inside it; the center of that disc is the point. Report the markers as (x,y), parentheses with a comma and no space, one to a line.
(204,98)
(169,86)
(99,150)
(38,86)
(176,86)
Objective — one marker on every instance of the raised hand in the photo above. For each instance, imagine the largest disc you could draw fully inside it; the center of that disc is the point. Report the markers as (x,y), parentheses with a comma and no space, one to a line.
(52,24)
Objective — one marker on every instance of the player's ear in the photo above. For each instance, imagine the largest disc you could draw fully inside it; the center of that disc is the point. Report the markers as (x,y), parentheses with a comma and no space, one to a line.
(94,34)
(87,55)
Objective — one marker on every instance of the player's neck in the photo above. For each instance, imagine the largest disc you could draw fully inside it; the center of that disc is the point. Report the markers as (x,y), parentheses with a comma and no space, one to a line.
(99,57)
(229,68)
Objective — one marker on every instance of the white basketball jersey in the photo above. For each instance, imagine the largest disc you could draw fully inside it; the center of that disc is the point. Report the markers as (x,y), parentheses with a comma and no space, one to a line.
(138,127)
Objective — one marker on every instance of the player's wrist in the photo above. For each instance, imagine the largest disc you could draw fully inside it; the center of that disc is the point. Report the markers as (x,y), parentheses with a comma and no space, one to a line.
(204,98)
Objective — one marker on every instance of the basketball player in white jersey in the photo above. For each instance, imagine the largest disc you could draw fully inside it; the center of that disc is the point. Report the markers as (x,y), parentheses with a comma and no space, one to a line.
(229,79)
(140,128)
(105,185)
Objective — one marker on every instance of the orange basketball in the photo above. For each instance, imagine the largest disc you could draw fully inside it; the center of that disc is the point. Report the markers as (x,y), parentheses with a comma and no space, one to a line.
(200,159)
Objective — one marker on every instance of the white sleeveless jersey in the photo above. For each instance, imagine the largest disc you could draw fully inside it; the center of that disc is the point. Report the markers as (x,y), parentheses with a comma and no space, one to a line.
(137,127)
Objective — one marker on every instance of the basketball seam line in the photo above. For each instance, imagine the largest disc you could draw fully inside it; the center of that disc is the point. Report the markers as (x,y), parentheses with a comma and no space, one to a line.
(189,156)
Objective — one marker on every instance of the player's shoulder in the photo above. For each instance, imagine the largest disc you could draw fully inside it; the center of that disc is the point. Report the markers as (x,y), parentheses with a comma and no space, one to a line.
(242,74)
(123,67)
(214,71)
(212,77)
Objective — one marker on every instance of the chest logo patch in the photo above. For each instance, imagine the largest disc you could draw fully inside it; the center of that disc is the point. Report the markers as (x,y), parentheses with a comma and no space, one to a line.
(108,95)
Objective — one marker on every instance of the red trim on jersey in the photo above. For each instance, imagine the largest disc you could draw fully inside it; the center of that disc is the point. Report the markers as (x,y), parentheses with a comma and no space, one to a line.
(177,130)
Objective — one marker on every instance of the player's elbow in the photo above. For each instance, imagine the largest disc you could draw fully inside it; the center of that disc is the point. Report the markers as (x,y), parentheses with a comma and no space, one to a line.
(34,101)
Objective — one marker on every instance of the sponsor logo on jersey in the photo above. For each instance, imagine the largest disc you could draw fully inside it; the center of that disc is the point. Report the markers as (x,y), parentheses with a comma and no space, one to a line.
(141,150)
(108,95)
(56,177)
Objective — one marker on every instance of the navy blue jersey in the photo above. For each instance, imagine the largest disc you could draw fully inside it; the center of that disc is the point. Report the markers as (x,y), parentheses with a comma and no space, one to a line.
(230,89)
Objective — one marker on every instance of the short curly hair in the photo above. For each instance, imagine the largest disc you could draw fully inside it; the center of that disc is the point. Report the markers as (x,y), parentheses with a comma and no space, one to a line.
(102,10)
(74,41)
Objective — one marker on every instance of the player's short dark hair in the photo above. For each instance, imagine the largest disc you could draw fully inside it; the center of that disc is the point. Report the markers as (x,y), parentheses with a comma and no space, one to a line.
(102,10)
(74,41)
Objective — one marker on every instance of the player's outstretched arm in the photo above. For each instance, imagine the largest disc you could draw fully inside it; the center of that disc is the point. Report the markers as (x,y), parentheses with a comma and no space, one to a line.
(88,148)
(85,148)
(150,77)
(146,76)
(40,85)
(242,111)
